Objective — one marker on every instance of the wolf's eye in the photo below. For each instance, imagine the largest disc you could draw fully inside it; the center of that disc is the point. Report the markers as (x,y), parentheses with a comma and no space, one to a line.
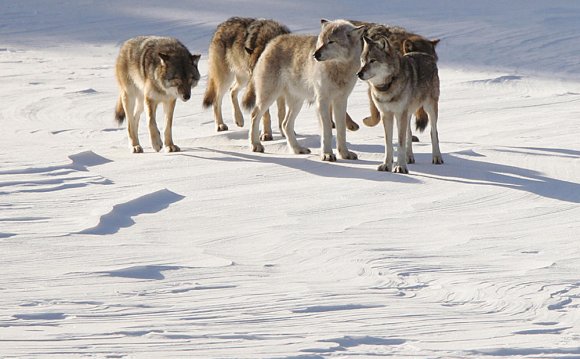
(372,61)
(331,42)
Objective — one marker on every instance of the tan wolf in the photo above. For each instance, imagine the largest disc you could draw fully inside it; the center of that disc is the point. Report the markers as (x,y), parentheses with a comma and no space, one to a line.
(233,52)
(399,85)
(402,41)
(311,68)
(152,70)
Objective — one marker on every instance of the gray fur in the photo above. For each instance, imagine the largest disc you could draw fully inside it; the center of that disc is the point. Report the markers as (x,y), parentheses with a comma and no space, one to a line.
(399,85)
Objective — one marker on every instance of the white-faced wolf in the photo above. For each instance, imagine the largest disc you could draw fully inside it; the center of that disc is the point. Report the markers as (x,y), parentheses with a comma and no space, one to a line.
(311,68)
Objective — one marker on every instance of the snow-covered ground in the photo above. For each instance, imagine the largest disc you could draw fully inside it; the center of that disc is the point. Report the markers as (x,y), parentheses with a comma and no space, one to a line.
(218,252)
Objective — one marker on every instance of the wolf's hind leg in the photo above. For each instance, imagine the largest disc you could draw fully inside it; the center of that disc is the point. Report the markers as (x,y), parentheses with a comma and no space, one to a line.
(294,107)
(132,122)
(433,111)
(239,83)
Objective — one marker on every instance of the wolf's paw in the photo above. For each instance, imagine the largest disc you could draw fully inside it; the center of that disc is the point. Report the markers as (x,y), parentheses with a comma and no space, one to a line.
(266,137)
(349,156)
(330,157)
(239,121)
(137,149)
(222,127)
(414,138)
(371,122)
(401,169)
(257,148)
(352,126)
(172,148)
(411,158)
(157,145)
(438,160)
(301,151)
(385,167)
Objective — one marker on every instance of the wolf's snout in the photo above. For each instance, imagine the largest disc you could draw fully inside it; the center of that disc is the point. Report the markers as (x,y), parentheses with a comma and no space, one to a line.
(360,75)
(186,97)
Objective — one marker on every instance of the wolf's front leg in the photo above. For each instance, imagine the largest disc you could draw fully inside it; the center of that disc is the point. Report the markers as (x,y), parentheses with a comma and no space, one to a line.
(324,116)
(169,108)
(339,114)
(402,126)
(387,164)
(151,109)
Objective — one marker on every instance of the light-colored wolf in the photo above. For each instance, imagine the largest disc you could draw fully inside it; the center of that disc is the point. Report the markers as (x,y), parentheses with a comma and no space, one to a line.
(311,68)
(402,41)
(152,70)
(233,52)
(399,85)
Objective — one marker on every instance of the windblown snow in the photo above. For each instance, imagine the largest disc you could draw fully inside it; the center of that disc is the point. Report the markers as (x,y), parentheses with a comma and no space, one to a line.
(218,252)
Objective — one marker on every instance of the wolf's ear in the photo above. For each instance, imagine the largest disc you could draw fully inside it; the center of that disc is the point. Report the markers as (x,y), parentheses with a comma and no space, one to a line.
(408,46)
(384,44)
(195,59)
(358,31)
(164,58)
(435,42)
(324,22)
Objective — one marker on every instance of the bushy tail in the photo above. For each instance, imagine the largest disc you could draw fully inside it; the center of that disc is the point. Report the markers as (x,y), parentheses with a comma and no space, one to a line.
(249,100)
(119,111)
(210,94)
(421,119)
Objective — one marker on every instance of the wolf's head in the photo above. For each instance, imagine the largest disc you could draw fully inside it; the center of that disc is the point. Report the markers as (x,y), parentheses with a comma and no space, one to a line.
(179,73)
(338,40)
(378,58)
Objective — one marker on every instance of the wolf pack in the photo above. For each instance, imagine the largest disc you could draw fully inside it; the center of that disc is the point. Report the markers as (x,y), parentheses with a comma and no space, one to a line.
(274,65)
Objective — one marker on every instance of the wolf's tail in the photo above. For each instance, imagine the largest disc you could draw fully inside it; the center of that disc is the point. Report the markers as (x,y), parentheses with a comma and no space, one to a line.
(249,100)
(210,94)
(421,119)
(119,111)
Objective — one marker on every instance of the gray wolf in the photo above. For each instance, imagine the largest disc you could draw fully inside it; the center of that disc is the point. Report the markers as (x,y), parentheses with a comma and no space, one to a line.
(316,69)
(402,41)
(233,52)
(151,70)
(399,85)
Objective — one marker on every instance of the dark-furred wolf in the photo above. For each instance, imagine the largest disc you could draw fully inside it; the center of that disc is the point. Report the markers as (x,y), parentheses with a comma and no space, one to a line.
(399,85)
(233,52)
(403,42)
(151,70)
(311,68)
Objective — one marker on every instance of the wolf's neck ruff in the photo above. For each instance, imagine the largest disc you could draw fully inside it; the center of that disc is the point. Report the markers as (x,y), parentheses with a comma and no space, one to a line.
(386,86)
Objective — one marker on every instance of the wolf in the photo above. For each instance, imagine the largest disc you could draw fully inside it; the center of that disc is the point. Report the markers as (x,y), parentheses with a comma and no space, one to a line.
(402,41)
(151,70)
(318,69)
(233,52)
(399,85)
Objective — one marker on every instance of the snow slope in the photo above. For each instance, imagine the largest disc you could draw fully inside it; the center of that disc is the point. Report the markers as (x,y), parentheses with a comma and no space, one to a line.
(218,252)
